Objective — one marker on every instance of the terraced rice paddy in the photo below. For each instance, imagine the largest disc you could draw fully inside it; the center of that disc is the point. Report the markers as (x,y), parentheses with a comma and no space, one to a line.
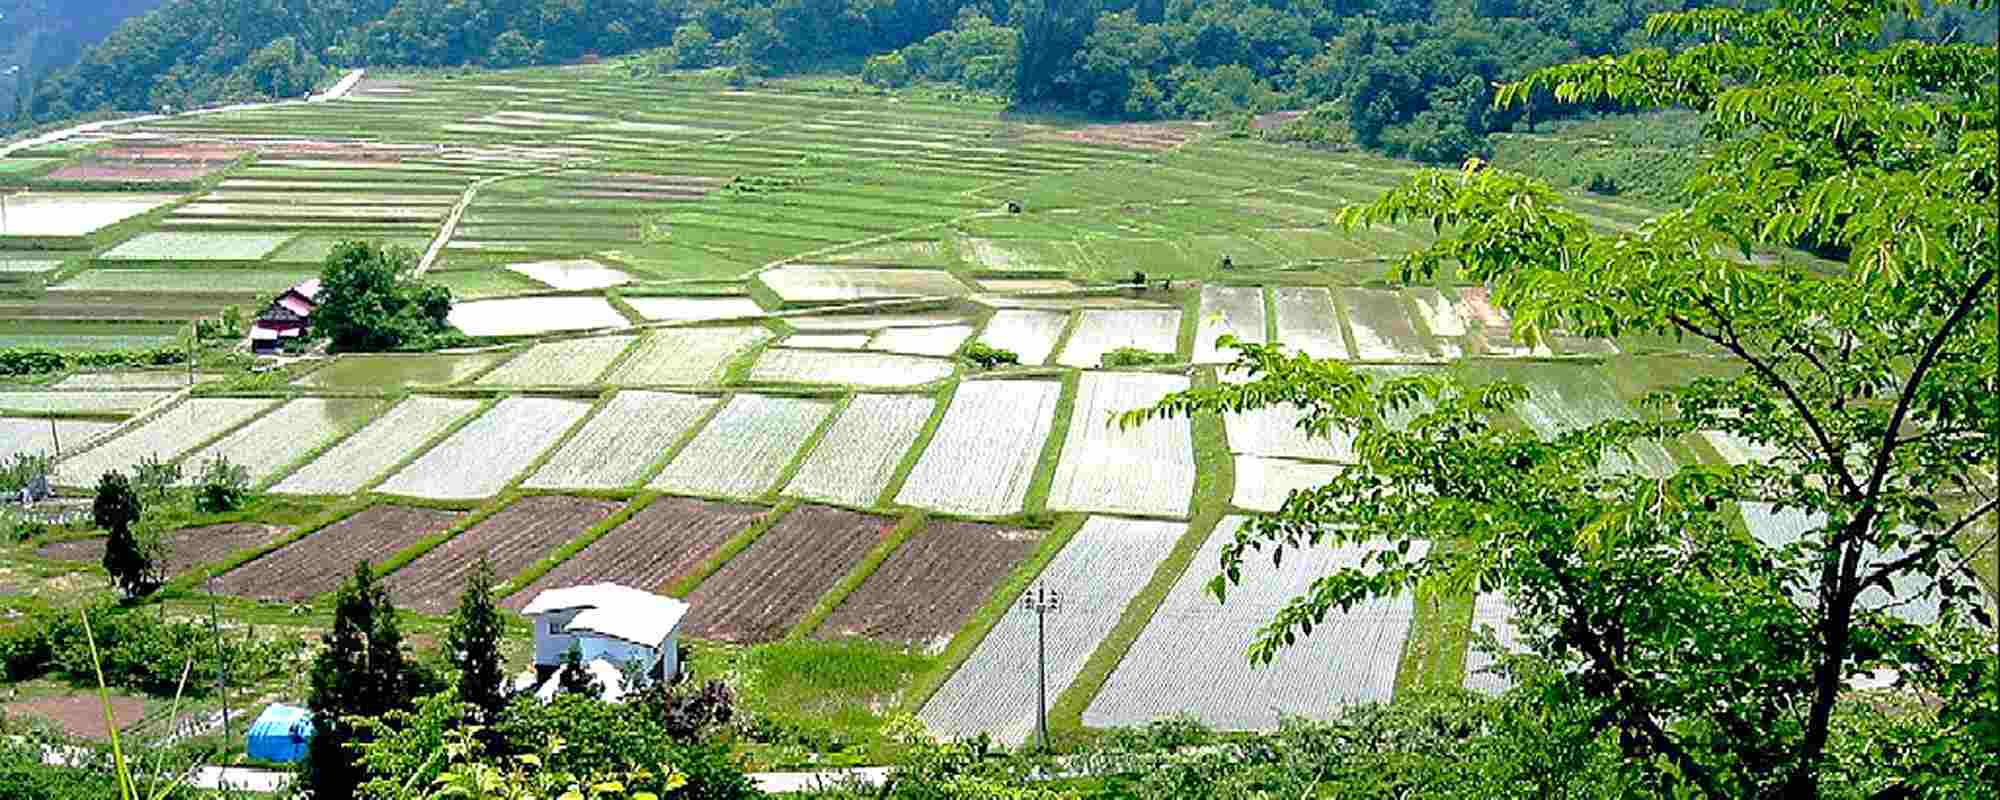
(874,370)
(622,441)
(1189,659)
(941,340)
(318,563)
(1275,431)
(932,584)
(1028,334)
(984,453)
(1381,326)
(1910,596)
(363,457)
(694,309)
(743,450)
(127,381)
(27,435)
(686,356)
(574,275)
(1147,470)
(661,544)
(485,455)
(808,285)
(297,428)
(1097,573)
(769,586)
(570,362)
(1490,611)
(165,435)
(216,246)
(1563,398)
(1100,331)
(1307,322)
(1228,310)
(74,213)
(395,371)
(853,463)
(84,402)
(1263,483)
(524,316)
(511,540)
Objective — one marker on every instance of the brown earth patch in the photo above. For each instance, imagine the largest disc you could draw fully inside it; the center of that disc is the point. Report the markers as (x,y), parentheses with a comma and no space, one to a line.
(513,539)
(931,585)
(81,714)
(186,548)
(318,563)
(1136,135)
(776,580)
(661,544)
(1274,120)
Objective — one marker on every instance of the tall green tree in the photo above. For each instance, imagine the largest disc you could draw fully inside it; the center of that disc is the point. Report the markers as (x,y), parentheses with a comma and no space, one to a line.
(116,508)
(371,300)
(361,672)
(1719,663)
(473,644)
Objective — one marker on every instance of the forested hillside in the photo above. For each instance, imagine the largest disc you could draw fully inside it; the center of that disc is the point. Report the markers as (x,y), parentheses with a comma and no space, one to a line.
(37,36)
(1407,77)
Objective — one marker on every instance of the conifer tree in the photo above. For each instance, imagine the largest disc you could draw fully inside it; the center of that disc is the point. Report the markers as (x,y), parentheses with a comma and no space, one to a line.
(473,644)
(572,678)
(362,672)
(128,560)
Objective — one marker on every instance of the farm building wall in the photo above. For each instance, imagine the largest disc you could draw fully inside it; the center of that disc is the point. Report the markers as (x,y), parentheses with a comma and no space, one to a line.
(549,644)
(615,651)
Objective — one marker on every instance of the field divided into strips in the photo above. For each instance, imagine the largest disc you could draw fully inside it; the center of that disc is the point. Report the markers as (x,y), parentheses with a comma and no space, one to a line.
(125,381)
(744,448)
(1381,326)
(165,435)
(876,370)
(1233,310)
(770,586)
(318,563)
(186,549)
(809,285)
(694,309)
(941,340)
(28,435)
(925,591)
(1190,657)
(1490,610)
(218,246)
(1308,324)
(621,441)
(285,435)
(1108,561)
(984,453)
(363,457)
(1565,397)
(685,356)
(1262,484)
(1275,431)
(74,214)
(524,316)
(1147,470)
(398,371)
(1099,331)
(512,539)
(85,402)
(1026,333)
(853,462)
(481,458)
(571,362)
(658,546)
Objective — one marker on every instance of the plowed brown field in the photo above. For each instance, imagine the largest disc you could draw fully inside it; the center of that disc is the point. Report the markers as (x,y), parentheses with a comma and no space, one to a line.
(931,585)
(186,548)
(318,563)
(775,581)
(656,547)
(512,539)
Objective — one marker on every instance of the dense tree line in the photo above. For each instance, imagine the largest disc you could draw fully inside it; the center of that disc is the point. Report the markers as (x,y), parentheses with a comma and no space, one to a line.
(39,36)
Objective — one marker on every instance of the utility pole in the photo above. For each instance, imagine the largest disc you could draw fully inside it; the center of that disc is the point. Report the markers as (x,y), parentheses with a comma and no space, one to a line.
(1043,601)
(221,664)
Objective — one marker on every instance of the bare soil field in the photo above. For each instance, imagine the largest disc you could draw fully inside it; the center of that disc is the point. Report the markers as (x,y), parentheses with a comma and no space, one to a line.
(111,171)
(80,714)
(931,585)
(317,564)
(512,539)
(186,548)
(656,547)
(772,583)
(1137,135)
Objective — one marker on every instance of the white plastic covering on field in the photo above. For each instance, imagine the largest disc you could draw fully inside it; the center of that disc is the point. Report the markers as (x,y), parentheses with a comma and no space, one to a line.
(1234,310)
(1108,561)
(1910,596)
(1028,334)
(364,456)
(1190,659)
(1275,431)
(571,362)
(878,370)
(1308,324)
(520,316)
(1147,470)
(744,449)
(985,450)
(855,460)
(1263,483)
(165,435)
(686,356)
(1490,610)
(276,440)
(481,458)
(1102,330)
(621,441)
(940,340)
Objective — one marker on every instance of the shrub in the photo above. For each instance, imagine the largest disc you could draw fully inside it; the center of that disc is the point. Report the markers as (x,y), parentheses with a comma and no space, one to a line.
(223,486)
(23,468)
(132,563)
(138,650)
(984,356)
(1601,184)
(156,482)
(1134,357)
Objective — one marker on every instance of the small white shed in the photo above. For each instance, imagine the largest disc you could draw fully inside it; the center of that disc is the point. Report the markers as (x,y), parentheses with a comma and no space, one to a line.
(609,623)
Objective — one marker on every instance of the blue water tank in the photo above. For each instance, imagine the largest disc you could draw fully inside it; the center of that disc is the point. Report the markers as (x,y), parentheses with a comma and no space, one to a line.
(280,734)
